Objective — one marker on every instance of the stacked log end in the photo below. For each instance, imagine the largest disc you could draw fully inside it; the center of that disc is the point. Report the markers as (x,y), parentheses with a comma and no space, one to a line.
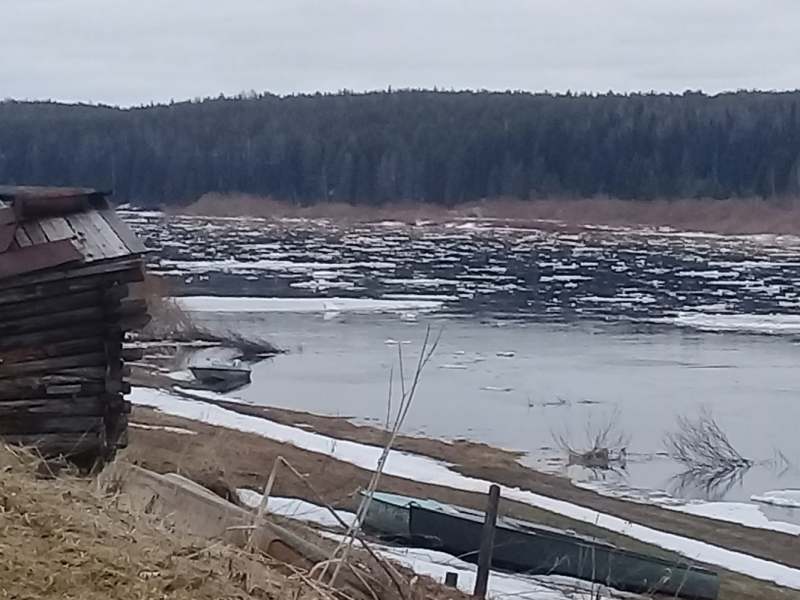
(63,378)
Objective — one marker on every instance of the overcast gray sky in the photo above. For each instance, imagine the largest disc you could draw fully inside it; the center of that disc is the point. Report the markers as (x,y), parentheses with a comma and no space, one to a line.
(136,51)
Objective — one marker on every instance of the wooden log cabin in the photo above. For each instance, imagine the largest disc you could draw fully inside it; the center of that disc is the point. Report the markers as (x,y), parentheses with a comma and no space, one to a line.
(66,262)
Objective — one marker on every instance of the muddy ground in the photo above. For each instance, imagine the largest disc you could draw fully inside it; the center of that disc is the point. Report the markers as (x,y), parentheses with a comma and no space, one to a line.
(220,458)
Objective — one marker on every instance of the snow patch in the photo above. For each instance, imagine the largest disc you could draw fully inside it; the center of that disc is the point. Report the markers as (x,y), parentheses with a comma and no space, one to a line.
(221,304)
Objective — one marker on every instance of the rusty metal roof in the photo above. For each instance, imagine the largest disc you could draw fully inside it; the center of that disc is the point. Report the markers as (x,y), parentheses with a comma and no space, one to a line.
(49,227)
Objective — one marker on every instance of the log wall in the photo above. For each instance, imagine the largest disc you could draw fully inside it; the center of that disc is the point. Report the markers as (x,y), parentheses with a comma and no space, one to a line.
(62,372)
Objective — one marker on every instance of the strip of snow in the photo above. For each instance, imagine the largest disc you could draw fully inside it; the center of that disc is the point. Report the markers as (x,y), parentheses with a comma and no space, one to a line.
(501,585)
(742,513)
(301,305)
(782,498)
(421,468)
(178,430)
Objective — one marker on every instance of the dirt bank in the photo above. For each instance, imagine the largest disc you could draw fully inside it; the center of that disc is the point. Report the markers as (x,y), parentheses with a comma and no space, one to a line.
(485,462)
(214,455)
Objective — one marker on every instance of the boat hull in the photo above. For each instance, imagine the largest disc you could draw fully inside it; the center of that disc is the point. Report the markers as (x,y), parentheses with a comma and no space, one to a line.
(524,547)
(543,553)
(220,374)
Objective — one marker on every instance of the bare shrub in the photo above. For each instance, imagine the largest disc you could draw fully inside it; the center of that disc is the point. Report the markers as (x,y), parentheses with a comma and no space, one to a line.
(170,323)
(168,320)
(604,445)
(712,465)
(700,445)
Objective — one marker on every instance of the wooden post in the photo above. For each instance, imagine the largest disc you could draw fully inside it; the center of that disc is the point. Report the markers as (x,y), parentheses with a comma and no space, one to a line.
(487,543)
(451,579)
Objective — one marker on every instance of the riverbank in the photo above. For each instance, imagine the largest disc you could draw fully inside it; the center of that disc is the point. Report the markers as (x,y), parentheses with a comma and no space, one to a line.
(217,455)
(726,217)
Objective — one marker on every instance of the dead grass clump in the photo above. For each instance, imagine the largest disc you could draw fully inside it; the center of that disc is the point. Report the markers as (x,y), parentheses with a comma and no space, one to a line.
(61,539)
(168,320)
(170,323)
(604,447)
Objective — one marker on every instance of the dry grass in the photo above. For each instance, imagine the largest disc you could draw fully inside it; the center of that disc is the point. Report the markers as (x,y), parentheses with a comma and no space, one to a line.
(170,323)
(733,216)
(61,539)
(168,319)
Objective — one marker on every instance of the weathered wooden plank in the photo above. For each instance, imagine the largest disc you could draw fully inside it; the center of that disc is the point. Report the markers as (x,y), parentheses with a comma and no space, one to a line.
(21,424)
(133,269)
(87,374)
(105,236)
(93,406)
(58,386)
(110,234)
(89,252)
(62,302)
(7,232)
(27,293)
(93,246)
(38,258)
(35,233)
(51,365)
(127,309)
(118,387)
(56,228)
(133,314)
(22,238)
(133,243)
(67,332)
(19,356)
(52,321)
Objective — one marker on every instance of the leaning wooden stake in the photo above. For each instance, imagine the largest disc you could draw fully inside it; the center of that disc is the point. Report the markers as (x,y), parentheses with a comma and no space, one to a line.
(487,543)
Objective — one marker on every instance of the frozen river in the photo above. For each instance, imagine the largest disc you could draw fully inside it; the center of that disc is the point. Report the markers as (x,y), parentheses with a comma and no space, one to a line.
(544,335)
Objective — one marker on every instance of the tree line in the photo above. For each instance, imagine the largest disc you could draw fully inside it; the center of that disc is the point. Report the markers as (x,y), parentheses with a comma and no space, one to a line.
(430,146)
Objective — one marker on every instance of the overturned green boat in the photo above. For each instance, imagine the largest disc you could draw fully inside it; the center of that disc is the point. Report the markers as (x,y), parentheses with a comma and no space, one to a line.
(523,547)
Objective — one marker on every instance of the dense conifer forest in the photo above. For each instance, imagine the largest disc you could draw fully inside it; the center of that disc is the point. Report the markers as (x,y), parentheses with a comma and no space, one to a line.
(431,146)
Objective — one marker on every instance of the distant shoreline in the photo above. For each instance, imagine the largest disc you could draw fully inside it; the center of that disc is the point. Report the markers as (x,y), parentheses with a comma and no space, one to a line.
(724,217)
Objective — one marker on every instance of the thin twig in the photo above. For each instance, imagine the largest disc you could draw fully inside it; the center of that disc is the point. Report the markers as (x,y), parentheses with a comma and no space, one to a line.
(426,352)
